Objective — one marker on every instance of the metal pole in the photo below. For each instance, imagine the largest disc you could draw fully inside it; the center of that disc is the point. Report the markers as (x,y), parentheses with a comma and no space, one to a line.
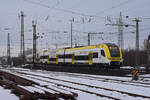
(34,42)
(120,33)
(137,34)
(88,39)
(21,36)
(71,34)
(22,47)
(148,52)
(137,39)
(8,50)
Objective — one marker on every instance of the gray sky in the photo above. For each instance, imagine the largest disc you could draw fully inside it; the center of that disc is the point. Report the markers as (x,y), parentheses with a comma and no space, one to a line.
(53,19)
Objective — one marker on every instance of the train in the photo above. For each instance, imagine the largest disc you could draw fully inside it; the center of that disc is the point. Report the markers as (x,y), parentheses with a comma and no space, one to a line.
(107,54)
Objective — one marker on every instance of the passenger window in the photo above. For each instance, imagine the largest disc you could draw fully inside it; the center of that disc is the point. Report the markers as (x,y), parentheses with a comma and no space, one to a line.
(102,53)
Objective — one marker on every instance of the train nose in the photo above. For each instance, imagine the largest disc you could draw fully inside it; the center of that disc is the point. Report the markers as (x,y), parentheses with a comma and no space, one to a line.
(116,63)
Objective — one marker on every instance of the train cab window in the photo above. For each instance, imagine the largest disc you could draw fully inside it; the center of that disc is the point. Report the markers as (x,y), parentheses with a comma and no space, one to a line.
(114,51)
(102,53)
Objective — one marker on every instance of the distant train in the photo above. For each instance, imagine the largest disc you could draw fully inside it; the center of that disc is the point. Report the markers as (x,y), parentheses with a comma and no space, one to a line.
(107,54)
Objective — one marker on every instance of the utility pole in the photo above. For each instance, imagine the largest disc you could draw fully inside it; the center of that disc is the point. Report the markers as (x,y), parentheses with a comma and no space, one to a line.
(34,42)
(89,39)
(8,50)
(71,30)
(148,52)
(92,34)
(137,33)
(137,39)
(120,25)
(22,47)
(56,46)
(120,32)
(71,34)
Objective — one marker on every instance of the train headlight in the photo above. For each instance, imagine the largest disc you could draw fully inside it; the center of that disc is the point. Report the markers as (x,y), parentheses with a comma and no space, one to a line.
(114,58)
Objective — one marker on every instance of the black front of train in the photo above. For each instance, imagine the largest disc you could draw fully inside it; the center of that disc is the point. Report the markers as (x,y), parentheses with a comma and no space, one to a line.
(115,55)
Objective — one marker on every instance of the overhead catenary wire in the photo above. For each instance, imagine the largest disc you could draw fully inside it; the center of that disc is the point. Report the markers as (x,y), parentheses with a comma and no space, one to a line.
(113,7)
(63,10)
(41,0)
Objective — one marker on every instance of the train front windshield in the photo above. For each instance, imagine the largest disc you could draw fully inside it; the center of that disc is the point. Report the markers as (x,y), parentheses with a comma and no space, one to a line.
(114,51)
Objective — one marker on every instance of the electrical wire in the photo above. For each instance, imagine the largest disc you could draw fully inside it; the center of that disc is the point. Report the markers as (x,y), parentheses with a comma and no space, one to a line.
(113,7)
(63,10)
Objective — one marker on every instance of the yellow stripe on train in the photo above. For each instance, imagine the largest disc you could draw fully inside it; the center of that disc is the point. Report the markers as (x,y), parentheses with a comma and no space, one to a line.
(90,58)
(57,59)
(48,61)
(73,60)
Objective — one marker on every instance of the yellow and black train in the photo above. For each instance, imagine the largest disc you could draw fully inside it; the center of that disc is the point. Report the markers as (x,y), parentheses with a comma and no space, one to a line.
(107,54)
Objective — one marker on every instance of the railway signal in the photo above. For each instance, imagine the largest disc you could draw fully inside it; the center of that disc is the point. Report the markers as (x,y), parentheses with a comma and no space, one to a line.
(135,73)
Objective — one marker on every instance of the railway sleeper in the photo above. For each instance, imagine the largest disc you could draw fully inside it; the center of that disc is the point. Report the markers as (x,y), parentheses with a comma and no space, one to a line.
(18,80)
(69,95)
(27,95)
(17,90)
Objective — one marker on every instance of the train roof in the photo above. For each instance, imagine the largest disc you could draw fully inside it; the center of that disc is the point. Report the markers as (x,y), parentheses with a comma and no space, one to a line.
(110,44)
(88,47)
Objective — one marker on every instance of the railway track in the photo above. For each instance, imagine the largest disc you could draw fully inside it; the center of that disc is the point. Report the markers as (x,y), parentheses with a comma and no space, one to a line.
(86,87)
(133,83)
(30,90)
(89,77)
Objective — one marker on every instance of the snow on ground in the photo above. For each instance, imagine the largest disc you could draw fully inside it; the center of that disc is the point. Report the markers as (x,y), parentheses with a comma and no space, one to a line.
(6,94)
(99,83)
(131,89)
(132,67)
(147,75)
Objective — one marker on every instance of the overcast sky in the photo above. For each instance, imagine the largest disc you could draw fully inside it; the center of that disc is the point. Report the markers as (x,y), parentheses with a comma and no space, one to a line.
(53,19)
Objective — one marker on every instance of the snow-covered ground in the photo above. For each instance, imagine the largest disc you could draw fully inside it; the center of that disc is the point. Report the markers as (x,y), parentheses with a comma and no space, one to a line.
(6,94)
(140,87)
